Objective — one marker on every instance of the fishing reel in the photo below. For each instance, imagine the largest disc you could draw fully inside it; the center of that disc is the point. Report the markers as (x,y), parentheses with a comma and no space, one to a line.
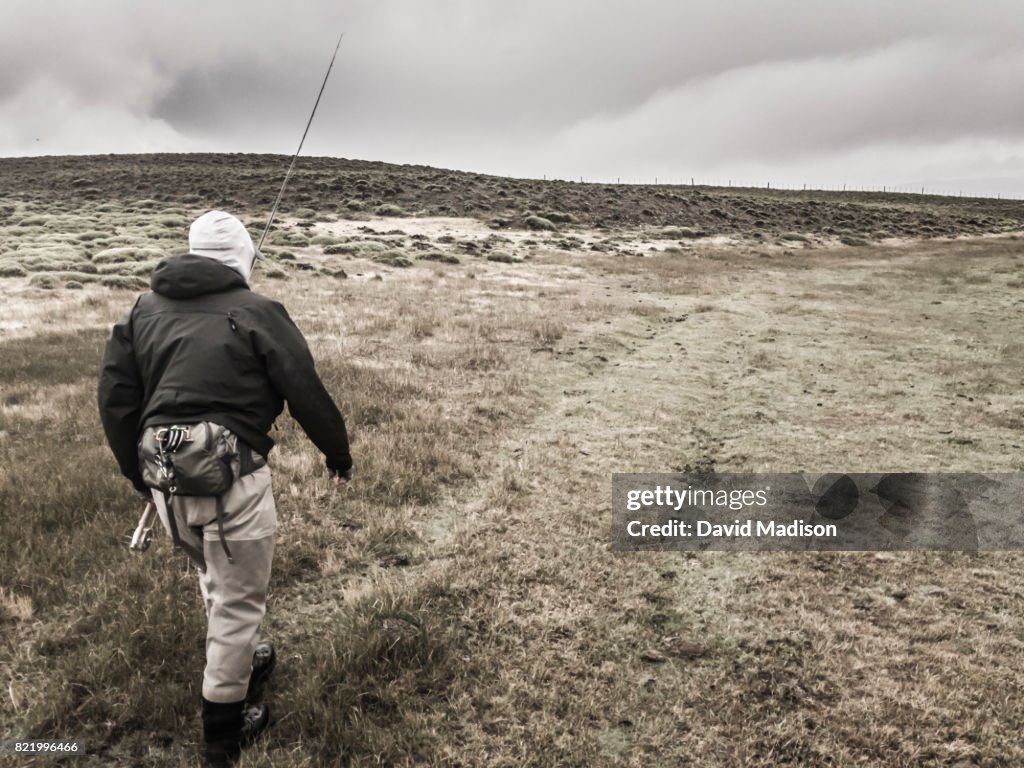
(143,535)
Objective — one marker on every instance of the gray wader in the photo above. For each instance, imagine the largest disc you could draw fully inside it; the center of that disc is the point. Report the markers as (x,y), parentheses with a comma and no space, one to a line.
(234,593)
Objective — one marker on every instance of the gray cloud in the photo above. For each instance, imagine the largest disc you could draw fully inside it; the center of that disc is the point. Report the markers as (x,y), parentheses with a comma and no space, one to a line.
(792,90)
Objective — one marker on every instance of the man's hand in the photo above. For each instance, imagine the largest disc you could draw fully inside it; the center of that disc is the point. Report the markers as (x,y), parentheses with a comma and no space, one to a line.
(341,479)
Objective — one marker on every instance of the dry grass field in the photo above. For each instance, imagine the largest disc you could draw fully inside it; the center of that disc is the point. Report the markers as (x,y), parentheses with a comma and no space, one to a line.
(500,347)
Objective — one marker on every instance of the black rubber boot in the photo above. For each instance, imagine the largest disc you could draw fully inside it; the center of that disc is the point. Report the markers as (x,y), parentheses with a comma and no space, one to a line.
(264,659)
(255,720)
(222,732)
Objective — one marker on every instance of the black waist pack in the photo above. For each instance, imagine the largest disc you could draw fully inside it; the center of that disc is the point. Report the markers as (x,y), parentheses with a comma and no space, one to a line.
(189,459)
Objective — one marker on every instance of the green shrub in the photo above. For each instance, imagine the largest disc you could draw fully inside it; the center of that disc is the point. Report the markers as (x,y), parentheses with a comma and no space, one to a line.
(388,209)
(852,240)
(558,217)
(794,237)
(305,213)
(77,277)
(356,248)
(49,248)
(441,256)
(503,257)
(539,222)
(44,260)
(12,270)
(290,237)
(126,254)
(392,259)
(143,269)
(43,281)
(324,240)
(115,269)
(73,285)
(689,233)
(276,274)
(124,282)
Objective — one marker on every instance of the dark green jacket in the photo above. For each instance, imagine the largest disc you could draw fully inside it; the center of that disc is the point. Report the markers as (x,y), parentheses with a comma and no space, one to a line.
(203,347)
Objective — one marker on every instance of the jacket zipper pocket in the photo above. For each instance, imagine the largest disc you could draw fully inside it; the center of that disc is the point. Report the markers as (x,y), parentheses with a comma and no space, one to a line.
(232,323)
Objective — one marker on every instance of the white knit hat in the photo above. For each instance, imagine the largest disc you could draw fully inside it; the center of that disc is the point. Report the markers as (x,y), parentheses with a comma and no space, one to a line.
(221,237)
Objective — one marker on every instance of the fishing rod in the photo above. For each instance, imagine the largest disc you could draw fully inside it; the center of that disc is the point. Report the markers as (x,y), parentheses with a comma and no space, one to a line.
(309,122)
(144,531)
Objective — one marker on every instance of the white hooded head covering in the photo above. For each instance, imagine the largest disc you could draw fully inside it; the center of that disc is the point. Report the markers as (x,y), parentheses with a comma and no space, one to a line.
(221,237)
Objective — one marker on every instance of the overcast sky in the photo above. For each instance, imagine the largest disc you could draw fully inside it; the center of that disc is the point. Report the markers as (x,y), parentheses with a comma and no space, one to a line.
(824,92)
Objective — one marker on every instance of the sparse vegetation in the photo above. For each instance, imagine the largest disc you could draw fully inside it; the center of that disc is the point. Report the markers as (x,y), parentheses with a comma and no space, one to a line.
(125,282)
(357,248)
(503,257)
(126,254)
(324,240)
(539,222)
(441,256)
(688,233)
(43,281)
(391,259)
(852,240)
(458,604)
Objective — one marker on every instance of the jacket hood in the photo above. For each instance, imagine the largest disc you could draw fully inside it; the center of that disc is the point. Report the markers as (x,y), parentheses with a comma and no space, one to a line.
(220,236)
(188,276)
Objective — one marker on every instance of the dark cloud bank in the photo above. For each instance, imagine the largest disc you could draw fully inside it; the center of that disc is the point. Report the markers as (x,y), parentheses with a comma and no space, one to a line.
(789,91)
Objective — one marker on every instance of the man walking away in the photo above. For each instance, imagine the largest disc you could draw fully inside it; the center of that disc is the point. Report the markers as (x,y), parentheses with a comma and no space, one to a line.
(194,375)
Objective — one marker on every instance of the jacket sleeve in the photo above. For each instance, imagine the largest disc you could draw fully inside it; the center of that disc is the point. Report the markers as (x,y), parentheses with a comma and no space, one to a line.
(121,395)
(289,364)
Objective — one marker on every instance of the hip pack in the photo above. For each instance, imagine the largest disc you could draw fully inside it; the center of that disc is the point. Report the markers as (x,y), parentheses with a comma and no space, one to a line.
(193,460)
(189,459)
